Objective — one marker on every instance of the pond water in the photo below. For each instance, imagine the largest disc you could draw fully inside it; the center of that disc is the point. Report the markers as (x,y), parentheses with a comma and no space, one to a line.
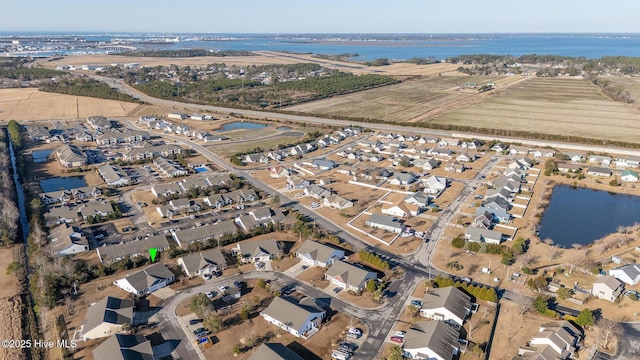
(237,125)
(201,169)
(40,156)
(283,128)
(60,183)
(581,216)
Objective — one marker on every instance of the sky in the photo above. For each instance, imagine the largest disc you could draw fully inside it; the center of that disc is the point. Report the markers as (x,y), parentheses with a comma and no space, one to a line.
(326,16)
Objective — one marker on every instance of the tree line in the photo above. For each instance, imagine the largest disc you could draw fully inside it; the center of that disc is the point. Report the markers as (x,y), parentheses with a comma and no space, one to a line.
(85,87)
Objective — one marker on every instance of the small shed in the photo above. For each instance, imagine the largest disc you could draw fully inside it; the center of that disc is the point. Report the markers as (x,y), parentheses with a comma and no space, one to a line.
(616,260)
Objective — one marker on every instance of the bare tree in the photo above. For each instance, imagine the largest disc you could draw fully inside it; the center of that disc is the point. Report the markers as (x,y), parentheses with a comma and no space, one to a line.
(526,260)
(524,304)
(608,330)
(555,254)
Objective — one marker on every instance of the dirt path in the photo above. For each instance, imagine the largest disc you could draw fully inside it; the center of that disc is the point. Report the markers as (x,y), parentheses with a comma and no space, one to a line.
(10,307)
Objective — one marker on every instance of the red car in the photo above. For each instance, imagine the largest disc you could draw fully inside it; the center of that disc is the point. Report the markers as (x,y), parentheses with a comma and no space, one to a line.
(397,339)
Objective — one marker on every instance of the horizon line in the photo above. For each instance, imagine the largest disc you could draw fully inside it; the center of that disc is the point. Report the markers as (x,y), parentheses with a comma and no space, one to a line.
(47,32)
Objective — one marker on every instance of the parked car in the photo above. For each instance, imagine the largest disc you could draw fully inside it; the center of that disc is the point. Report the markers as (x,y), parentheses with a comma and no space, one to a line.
(355,332)
(194,321)
(207,276)
(349,346)
(397,339)
(210,294)
(337,290)
(199,331)
(222,288)
(400,334)
(416,303)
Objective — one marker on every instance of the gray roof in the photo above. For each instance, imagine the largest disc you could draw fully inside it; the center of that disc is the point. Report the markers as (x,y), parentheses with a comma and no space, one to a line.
(186,236)
(292,312)
(450,298)
(435,335)
(60,237)
(124,347)
(145,278)
(254,248)
(131,248)
(274,351)
(317,251)
(195,262)
(384,220)
(611,282)
(479,234)
(597,169)
(108,310)
(350,274)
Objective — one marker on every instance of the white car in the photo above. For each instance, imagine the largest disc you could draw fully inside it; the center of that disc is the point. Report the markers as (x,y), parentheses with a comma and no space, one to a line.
(210,294)
(400,334)
(355,332)
(222,288)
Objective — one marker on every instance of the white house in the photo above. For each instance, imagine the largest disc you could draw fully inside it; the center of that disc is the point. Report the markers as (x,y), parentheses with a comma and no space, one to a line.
(628,274)
(448,304)
(554,340)
(202,263)
(318,254)
(475,234)
(434,185)
(258,251)
(67,240)
(348,276)
(629,176)
(403,178)
(607,288)
(431,340)
(401,209)
(384,222)
(301,318)
(106,317)
(146,280)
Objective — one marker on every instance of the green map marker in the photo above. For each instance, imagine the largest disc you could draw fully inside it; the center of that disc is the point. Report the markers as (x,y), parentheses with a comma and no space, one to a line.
(152,254)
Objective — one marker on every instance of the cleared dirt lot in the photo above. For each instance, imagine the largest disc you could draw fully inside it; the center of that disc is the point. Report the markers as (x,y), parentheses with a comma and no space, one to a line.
(401,102)
(32,104)
(553,106)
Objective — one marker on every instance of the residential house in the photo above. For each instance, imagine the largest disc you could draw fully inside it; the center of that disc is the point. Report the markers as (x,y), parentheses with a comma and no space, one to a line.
(442,152)
(186,236)
(206,262)
(125,347)
(82,135)
(115,136)
(113,175)
(70,156)
(242,195)
(511,183)
(428,140)
(518,150)
(53,197)
(277,155)
(567,167)
(60,215)
(434,185)
(543,153)
(317,192)
(348,276)
(106,317)
(401,209)
(449,142)
(337,202)
(417,199)
(403,178)
(629,176)
(628,161)
(465,157)
(323,164)
(102,209)
(483,220)
(475,234)
(111,253)
(277,172)
(319,254)
(502,192)
(297,182)
(599,171)
(600,159)
(455,167)
(431,340)
(217,201)
(151,151)
(523,163)
(169,169)
(86,192)
(258,251)
(147,280)
(67,240)
(165,190)
(426,164)
(99,123)
(473,144)
(386,223)
(499,147)
(177,116)
(274,351)
(574,157)
(498,214)
(496,203)
(607,288)
(259,217)
(301,318)
(628,274)
(38,133)
(255,158)
(554,340)
(448,304)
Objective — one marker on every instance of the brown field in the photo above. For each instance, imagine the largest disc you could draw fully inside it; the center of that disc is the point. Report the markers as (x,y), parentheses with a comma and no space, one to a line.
(262,58)
(32,104)
(511,332)
(632,85)
(10,306)
(551,105)
(400,102)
